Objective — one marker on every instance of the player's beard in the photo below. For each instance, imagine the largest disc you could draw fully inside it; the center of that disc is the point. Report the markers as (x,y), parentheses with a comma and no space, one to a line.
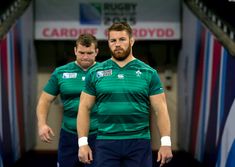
(120,54)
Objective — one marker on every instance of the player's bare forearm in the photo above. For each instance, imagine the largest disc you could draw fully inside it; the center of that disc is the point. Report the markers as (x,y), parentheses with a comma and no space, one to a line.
(159,107)
(83,117)
(44,131)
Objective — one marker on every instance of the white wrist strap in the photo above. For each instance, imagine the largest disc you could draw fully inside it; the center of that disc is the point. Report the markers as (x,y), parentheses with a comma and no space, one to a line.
(165,141)
(82,141)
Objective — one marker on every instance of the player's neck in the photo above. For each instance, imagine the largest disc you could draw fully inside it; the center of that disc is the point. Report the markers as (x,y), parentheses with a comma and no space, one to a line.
(83,68)
(122,63)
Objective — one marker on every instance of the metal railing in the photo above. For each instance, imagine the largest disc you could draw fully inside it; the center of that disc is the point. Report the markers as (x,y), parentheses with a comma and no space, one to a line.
(9,17)
(223,31)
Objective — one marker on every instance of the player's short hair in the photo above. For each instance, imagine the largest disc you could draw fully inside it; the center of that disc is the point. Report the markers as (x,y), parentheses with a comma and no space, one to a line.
(120,26)
(87,40)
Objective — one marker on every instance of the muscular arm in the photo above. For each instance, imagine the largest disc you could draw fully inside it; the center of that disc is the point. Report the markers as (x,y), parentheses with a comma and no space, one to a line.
(83,123)
(83,117)
(44,131)
(159,109)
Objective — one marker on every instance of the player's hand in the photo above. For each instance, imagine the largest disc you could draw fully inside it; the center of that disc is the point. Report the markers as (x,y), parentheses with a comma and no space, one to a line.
(45,133)
(164,155)
(85,154)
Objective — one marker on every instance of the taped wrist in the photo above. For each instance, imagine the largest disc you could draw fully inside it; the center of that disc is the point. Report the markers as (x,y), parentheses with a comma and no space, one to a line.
(165,141)
(82,141)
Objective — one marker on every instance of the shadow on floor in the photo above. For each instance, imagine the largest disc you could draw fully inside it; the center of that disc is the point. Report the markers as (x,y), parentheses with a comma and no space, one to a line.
(180,159)
(48,159)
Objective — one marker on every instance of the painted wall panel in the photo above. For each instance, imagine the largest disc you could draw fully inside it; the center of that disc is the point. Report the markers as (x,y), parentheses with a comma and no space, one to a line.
(211,137)
(17,113)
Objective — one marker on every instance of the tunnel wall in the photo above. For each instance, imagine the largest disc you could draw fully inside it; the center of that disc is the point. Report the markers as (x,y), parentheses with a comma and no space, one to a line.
(18,81)
(206,95)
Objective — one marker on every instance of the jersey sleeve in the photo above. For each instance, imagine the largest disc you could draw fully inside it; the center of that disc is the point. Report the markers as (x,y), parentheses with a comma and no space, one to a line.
(155,84)
(52,86)
(90,84)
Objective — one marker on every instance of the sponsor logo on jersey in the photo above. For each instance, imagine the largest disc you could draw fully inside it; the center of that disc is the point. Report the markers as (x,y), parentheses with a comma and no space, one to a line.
(69,75)
(120,76)
(103,73)
(138,73)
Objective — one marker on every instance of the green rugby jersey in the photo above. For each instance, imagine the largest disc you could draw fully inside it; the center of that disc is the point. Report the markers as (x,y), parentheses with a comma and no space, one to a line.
(69,81)
(122,98)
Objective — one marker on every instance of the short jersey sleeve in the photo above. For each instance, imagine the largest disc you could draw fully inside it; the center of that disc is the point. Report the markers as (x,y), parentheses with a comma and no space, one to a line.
(155,84)
(90,84)
(52,86)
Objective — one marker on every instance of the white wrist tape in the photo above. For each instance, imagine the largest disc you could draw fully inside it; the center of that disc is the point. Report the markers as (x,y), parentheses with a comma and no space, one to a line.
(82,141)
(165,141)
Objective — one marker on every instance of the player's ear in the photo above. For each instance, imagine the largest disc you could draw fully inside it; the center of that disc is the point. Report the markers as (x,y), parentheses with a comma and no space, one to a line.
(75,50)
(96,51)
(132,41)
